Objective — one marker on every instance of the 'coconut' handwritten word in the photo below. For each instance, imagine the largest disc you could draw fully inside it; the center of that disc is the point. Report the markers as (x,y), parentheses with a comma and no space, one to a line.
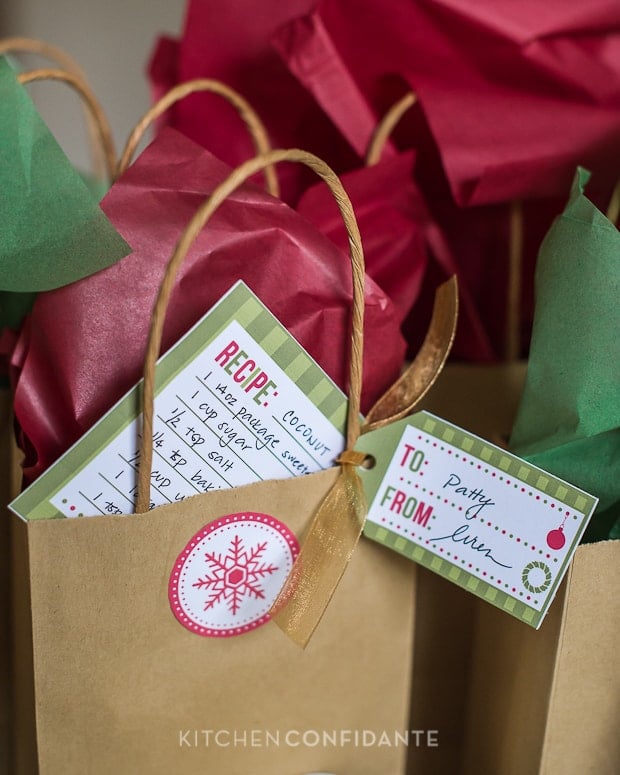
(306,432)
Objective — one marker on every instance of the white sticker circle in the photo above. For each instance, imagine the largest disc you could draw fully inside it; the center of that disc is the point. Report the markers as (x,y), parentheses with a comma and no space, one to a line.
(228,576)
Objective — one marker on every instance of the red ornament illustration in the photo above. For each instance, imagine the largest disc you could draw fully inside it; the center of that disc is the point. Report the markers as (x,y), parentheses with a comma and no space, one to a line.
(556,538)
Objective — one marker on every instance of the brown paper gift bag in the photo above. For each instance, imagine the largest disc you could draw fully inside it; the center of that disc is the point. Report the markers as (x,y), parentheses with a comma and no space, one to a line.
(118,682)
(118,685)
(547,701)
(483,399)
(5,641)
(543,702)
(103,159)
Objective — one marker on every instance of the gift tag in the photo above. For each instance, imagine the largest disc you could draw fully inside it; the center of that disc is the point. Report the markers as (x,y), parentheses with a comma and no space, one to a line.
(484,519)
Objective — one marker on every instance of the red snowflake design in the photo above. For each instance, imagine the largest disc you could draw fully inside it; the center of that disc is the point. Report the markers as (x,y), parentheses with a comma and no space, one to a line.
(234,575)
(227,577)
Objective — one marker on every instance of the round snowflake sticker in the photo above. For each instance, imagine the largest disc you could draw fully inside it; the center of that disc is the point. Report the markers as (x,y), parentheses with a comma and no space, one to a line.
(228,576)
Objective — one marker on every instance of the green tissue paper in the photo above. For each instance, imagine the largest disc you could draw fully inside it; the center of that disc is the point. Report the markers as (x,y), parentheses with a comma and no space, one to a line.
(568,421)
(53,231)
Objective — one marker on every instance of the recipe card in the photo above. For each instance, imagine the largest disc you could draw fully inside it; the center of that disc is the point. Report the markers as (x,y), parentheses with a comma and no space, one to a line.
(238,400)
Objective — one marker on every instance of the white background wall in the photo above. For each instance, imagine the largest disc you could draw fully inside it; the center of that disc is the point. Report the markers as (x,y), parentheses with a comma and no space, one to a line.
(111,40)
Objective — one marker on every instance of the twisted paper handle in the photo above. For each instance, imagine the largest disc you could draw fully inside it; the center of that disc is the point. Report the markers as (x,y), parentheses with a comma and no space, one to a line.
(201,217)
(255,126)
(336,526)
(23,45)
(613,209)
(515,250)
(90,101)
(386,126)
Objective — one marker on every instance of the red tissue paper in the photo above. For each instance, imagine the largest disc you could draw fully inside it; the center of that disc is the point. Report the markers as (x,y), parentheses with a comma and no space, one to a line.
(399,234)
(84,345)
(406,253)
(516,93)
(511,97)
(231,40)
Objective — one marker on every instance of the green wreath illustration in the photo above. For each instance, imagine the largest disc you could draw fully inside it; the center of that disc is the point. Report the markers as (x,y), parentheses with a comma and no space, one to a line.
(536,564)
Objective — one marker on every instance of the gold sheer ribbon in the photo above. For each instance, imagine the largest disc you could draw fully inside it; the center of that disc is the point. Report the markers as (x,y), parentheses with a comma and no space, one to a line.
(337,525)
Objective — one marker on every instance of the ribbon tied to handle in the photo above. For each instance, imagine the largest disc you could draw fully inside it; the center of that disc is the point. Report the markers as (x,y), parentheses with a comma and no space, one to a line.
(336,526)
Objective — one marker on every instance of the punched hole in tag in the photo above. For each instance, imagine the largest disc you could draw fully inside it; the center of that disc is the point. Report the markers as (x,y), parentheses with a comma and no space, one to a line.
(369,462)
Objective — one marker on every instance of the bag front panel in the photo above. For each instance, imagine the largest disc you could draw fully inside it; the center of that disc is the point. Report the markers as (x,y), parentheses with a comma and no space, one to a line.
(122,686)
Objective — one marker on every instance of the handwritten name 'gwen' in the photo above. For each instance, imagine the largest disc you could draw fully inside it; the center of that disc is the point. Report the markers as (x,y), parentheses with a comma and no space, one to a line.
(461,535)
